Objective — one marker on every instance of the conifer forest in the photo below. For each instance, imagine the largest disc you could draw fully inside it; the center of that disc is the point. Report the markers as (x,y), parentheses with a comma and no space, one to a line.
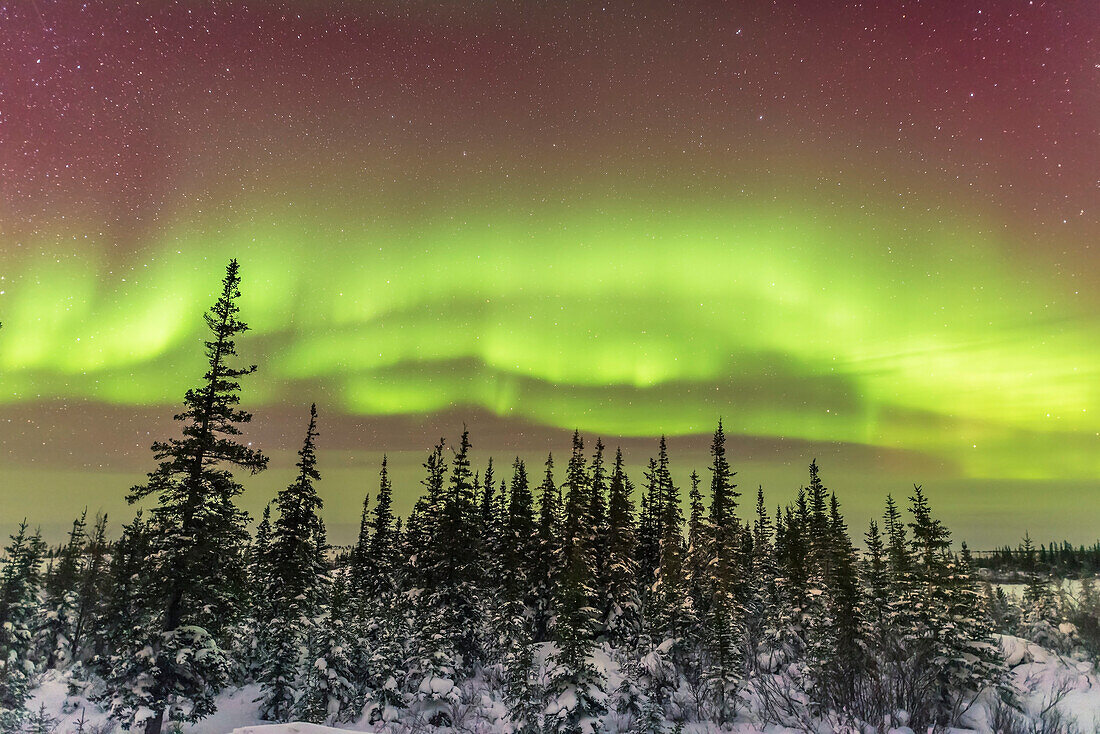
(567,597)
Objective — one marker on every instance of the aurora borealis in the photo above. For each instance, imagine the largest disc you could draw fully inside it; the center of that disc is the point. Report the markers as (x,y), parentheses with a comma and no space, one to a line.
(841,228)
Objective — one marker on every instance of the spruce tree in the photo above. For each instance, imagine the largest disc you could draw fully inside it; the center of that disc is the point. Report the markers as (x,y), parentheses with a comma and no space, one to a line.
(447,641)
(492,531)
(196,573)
(928,638)
(382,548)
(521,545)
(41,722)
(597,519)
(578,536)
(378,615)
(621,612)
(522,691)
(431,665)
(459,563)
(548,557)
(975,662)
(649,542)
(674,613)
(764,611)
(874,574)
(488,503)
(299,576)
(509,618)
(1035,589)
(577,502)
(723,622)
(697,554)
(576,689)
(835,641)
(327,692)
(20,583)
(424,522)
(92,589)
(62,600)
(816,621)
(127,611)
(359,559)
(254,635)
(820,536)
(512,623)
(897,545)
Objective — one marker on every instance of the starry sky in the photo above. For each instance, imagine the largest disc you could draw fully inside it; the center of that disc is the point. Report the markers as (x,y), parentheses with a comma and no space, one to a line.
(864,232)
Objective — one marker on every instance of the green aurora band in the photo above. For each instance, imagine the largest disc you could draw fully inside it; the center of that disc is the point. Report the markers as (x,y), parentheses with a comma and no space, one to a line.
(619,316)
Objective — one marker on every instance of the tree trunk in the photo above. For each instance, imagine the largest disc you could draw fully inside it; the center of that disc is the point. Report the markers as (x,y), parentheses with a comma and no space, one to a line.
(153,725)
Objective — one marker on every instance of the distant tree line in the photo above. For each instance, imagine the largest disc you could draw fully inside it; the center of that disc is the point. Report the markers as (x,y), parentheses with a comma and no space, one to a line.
(528,582)
(1060,559)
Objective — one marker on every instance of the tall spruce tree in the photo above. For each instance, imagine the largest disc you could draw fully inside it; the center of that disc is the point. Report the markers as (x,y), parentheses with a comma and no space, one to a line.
(621,613)
(488,501)
(649,542)
(723,622)
(578,538)
(548,556)
(697,558)
(822,553)
(62,599)
(298,582)
(92,591)
(432,662)
(258,624)
(515,626)
(576,688)
(127,611)
(976,663)
(896,543)
(196,573)
(508,619)
(946,631)
(874,573)
(597,497)
(521,540)
(764,611)
(459,563)
(672,607)
(382,541)
(424,523)
(378,626)
(835,643)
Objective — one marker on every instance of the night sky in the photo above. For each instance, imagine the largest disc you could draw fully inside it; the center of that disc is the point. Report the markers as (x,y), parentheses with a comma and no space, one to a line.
(861,232)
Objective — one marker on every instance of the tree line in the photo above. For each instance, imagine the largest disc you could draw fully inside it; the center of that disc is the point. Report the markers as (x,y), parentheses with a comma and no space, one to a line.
(531,581)
(1053,558)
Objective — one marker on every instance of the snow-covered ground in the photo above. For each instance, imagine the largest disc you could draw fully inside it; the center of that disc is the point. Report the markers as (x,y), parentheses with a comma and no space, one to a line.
(291,728)
(1042,679)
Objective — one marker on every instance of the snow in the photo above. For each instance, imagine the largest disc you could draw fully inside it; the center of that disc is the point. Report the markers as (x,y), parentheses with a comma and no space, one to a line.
(1040,677)
(1043,678)
(1015,650)
(439,686)
(293,727)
